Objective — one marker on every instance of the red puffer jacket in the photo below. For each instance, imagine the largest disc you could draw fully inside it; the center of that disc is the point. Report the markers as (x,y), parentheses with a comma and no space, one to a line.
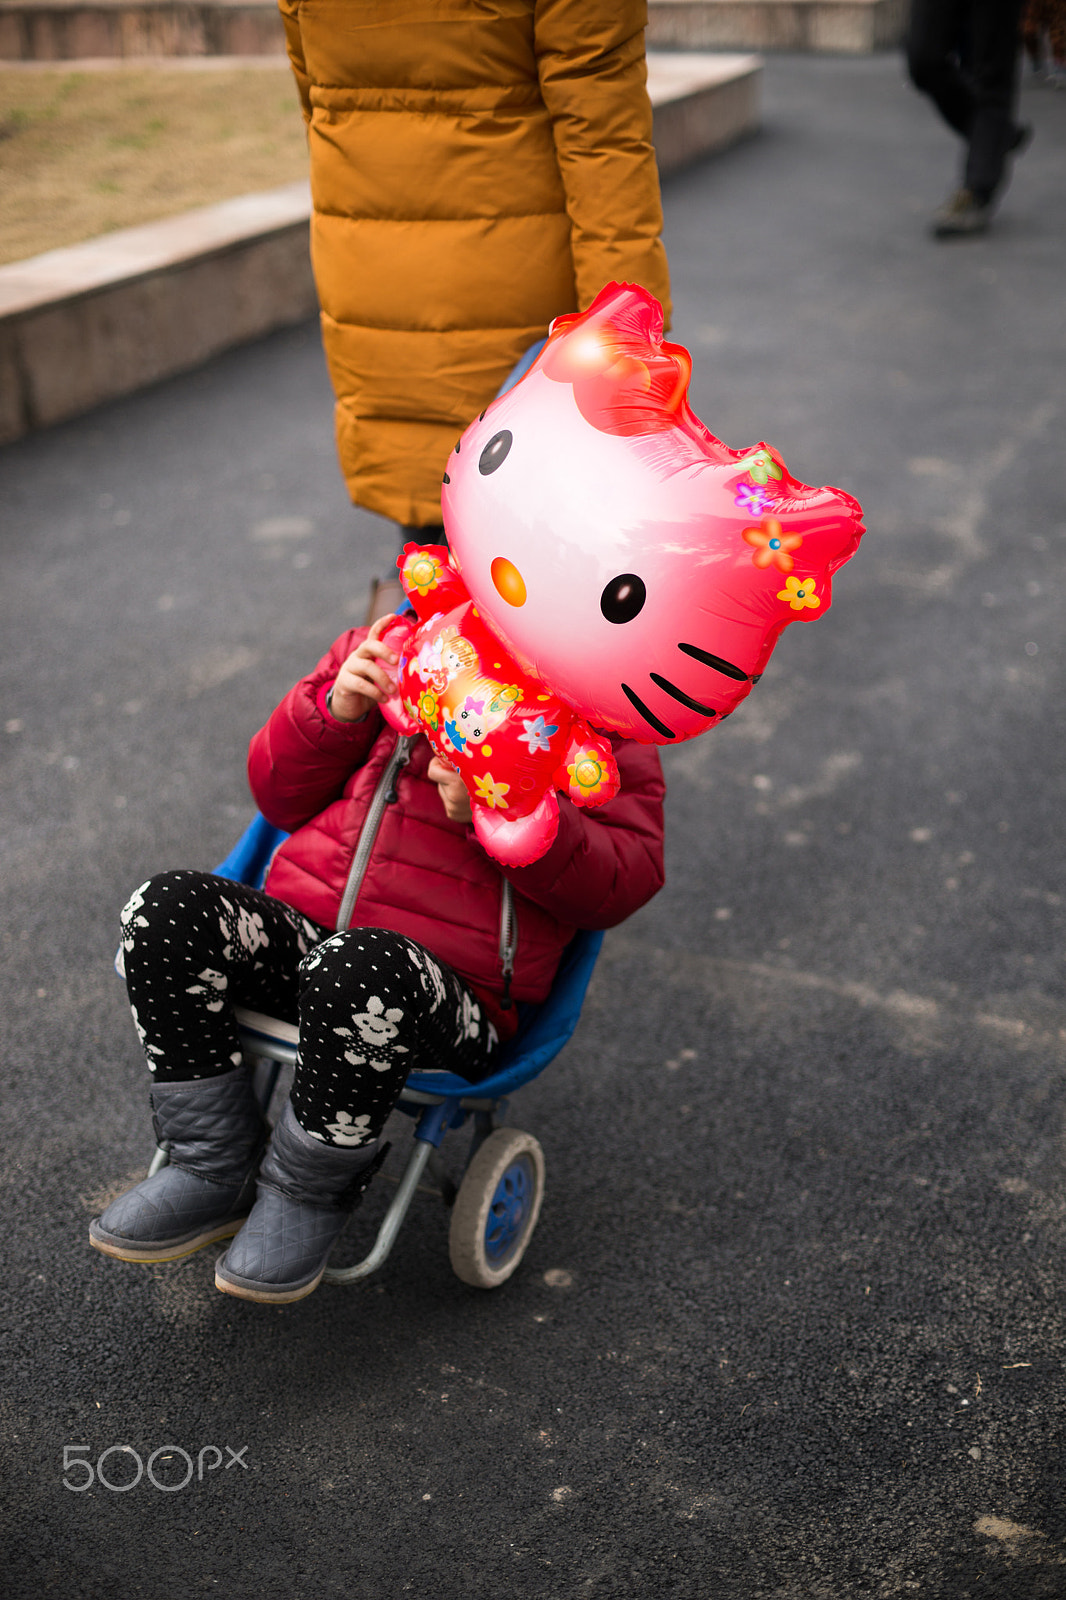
(427,877)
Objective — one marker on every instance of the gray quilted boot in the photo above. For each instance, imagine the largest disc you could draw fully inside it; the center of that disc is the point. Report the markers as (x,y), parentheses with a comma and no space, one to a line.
(306,1191)
(215,1133)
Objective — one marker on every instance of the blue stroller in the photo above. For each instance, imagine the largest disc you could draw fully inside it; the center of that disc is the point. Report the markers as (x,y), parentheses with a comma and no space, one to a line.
(497,1201)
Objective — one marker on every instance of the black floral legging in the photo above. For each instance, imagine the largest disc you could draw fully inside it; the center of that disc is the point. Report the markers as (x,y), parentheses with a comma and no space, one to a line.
(370,1004)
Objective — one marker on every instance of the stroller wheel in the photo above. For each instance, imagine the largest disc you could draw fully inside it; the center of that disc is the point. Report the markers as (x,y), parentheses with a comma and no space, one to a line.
(496,1208)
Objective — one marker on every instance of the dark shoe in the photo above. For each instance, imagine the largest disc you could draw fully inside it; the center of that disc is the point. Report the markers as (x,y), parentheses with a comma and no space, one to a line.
(306,1192)
(215,1133)
(963,214)
(1021,139)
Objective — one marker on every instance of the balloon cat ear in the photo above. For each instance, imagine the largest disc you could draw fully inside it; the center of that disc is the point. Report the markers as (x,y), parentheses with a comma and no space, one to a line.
(625,379)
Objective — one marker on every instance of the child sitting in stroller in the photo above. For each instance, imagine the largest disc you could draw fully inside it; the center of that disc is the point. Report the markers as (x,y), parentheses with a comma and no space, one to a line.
(378,932)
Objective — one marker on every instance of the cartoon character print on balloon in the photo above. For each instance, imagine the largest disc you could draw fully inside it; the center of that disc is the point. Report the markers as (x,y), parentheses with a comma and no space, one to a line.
(514,742)
(613,566)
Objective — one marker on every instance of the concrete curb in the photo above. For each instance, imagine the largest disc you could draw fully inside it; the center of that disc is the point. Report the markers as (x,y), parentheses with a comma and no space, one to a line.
(700,104)
(90,323)
(834,27)
(65,30)
(102,319)
(52,30)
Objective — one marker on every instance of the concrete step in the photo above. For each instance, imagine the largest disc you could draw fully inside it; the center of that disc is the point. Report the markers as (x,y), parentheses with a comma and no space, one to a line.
(841,27)
(701,103)
(66,30)
(86,324)
(102,319)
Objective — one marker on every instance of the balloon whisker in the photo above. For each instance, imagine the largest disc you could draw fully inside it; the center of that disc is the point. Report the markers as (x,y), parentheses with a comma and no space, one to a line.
(679,694)
(649,716)
(714,661)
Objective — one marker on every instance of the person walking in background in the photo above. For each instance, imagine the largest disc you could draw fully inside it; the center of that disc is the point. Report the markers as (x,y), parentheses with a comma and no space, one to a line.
(1044,37)
(478,167)
(964,54)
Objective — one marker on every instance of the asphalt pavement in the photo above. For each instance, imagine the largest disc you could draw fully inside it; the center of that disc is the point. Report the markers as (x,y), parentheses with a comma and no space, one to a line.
(792,1323)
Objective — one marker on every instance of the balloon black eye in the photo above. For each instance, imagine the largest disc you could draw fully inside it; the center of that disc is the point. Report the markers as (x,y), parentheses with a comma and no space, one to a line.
(623,598)
(495,452)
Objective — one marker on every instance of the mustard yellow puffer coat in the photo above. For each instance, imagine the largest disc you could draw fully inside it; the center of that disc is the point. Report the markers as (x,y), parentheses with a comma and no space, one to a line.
(477,168)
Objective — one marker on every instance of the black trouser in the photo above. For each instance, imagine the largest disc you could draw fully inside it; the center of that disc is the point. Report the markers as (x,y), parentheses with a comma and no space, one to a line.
(964,54)
(371,1004)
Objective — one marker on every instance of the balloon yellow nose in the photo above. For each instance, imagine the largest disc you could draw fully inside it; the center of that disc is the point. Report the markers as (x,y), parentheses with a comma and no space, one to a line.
(510,584)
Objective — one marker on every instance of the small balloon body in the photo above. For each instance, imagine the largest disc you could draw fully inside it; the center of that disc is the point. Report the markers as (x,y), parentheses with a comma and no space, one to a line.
(513,742)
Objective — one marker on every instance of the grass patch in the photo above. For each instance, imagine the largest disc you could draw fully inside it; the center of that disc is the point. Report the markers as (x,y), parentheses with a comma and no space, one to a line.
(83,153)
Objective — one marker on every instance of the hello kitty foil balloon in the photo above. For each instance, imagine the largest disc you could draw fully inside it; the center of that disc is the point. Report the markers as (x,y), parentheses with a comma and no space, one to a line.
(612,566)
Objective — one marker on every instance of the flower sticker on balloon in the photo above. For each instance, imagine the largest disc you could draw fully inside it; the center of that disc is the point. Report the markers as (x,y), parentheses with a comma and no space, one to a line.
(772,544)
(491,793)
(589,777)
(752,498)
(428,708)
(538,733)
(421,571)
(800,596)
(761,466)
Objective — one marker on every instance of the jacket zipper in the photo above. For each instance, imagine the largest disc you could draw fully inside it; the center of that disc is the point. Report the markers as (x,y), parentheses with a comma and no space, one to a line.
(384,795)
(508,939)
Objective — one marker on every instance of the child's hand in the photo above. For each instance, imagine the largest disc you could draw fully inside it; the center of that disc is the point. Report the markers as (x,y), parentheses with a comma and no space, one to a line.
(452,790)
(364,680)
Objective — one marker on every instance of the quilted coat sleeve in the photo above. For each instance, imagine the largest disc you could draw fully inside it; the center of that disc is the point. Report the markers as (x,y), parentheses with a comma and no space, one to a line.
(294,45)
(593,79)
(605,863)
(300,761)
